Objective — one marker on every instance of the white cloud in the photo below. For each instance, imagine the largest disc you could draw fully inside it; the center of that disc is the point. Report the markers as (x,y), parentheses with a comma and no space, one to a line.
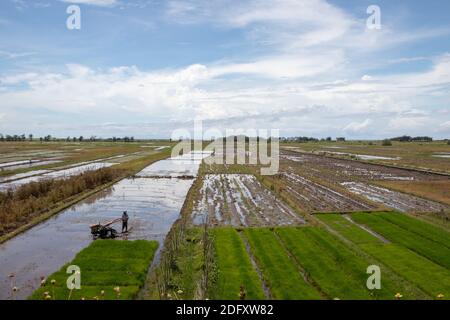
(357,127)
(400,123)
(101,3)
(306,79)
(445,126)
(287,66)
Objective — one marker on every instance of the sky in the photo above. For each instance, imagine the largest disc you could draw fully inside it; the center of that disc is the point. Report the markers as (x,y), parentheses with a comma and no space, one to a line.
(146,68)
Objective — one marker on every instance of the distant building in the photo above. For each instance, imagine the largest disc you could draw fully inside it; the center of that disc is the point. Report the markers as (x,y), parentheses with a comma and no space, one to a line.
(340,139)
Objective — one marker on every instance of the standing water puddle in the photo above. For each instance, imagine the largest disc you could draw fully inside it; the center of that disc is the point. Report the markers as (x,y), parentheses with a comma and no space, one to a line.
(152,204)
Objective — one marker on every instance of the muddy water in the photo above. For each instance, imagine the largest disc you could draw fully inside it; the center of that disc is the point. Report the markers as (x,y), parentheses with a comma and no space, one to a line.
(26,164)
(152,204)
(60,174)
(396,200)
(185,165)
(23,175)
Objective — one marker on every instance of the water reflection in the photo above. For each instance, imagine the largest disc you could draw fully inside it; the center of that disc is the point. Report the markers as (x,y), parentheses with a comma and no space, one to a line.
(152,204)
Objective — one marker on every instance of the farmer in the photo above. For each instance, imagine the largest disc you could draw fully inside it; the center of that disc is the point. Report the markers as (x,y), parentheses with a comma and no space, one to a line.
(124,222)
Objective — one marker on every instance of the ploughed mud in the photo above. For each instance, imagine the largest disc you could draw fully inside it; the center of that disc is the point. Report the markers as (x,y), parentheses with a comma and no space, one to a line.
(342,170)
(393,199)
(240,200)
(322,183)
(152,204)
(315,197)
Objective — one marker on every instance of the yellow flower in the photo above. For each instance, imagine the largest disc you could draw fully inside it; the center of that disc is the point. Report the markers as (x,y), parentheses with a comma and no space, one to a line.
(53,281)
(169,295)
(82,298)
(440,296)
(102,292)
(43,282)
(398,296)
(180,291)
(48,297)
(117,289)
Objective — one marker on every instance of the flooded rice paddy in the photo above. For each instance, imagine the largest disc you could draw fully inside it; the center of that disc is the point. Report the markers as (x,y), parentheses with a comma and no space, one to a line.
(180,166)
(9,166)
(364,156)
(152,204)
(393,199)
(59,174)
(321,184)
(343,170)
(23,175)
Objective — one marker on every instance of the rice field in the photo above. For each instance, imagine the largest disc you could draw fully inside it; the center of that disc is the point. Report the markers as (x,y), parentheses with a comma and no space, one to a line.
(312,263)
(417,258)
(309,232)
(120,276)
(240,200)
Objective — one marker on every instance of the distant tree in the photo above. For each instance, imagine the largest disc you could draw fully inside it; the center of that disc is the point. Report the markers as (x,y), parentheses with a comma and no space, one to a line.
(80,138)
(2,138)
(30,137)
(340,139)
(448,142)
(386,142)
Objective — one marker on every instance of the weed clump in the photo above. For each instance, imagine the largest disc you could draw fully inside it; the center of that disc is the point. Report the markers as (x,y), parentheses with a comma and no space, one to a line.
(18,207)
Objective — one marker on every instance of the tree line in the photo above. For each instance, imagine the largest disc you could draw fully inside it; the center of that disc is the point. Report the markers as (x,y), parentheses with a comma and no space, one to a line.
(406,138)
(48,138)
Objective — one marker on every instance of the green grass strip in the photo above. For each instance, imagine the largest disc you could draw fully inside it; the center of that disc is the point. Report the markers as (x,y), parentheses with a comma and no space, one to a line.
(338,271)
(234,267)
(423,229)
(104,265)
(280,272)
(427,275)
(417,243)
(348,229)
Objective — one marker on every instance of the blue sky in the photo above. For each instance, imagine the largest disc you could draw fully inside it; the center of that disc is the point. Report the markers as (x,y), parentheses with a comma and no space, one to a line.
(146,68)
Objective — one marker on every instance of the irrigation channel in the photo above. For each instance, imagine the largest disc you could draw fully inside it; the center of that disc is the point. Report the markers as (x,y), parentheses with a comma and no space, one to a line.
(153,199)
